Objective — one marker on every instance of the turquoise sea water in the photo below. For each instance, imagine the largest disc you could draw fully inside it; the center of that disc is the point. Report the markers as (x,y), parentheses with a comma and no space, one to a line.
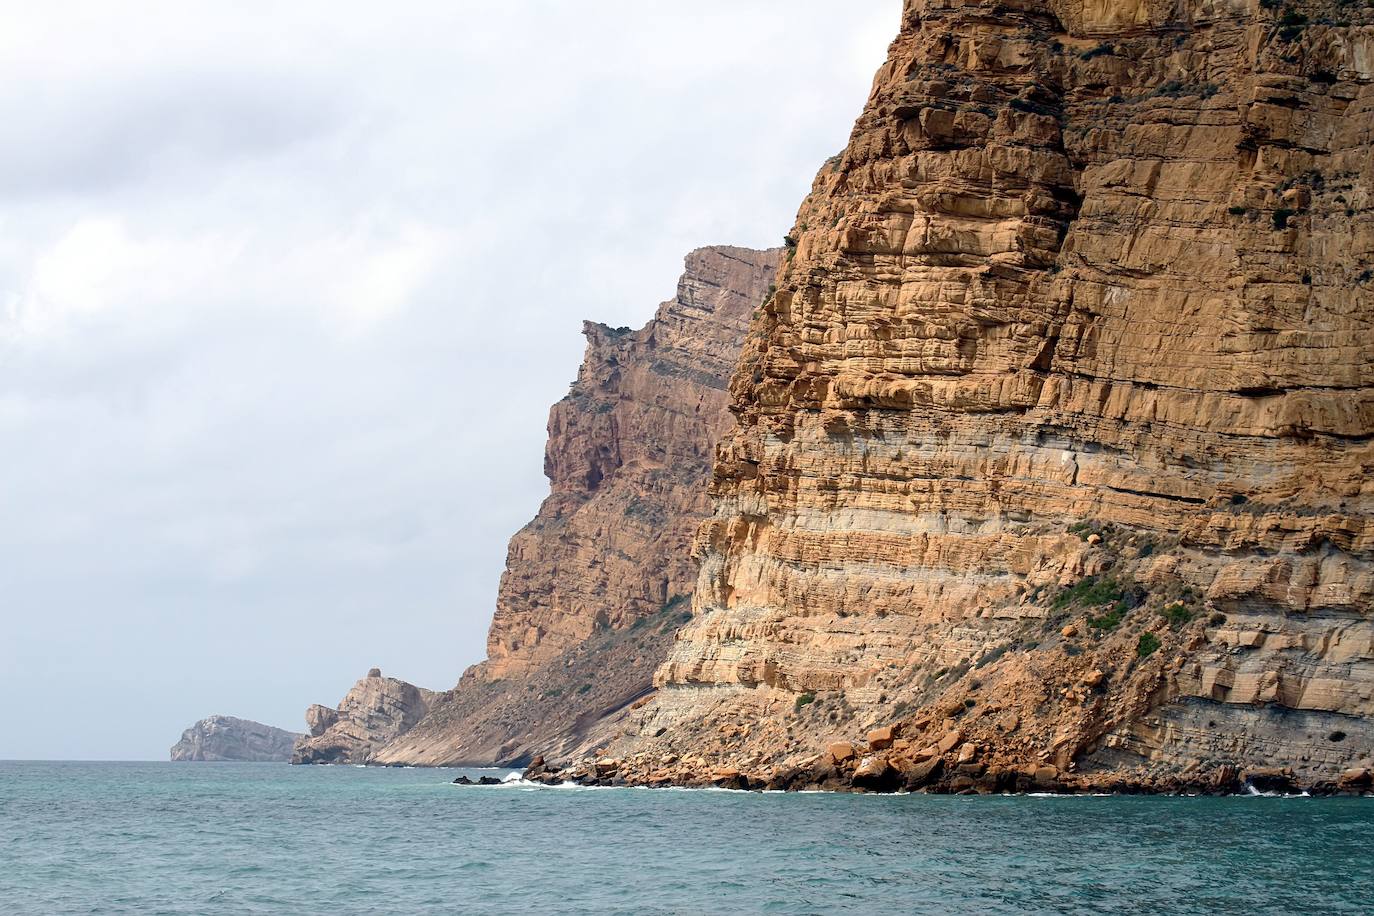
(268,838)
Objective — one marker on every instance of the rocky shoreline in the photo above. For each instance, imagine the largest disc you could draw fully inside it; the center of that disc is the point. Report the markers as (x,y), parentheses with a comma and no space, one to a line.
(887,765)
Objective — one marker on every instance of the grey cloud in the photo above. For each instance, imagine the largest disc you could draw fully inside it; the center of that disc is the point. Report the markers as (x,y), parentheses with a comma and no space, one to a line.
(81,138)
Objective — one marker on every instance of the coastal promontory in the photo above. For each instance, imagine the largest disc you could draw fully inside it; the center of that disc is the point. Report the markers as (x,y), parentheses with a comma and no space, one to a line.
(377,710)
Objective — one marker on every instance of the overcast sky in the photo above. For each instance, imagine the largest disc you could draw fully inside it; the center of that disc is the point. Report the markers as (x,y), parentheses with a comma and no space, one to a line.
(286,291)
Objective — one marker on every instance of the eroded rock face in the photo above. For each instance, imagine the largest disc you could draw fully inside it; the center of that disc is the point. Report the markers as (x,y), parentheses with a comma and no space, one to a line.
(377,710)
(598,582)
(228,738)
(628,458)
(1058,428)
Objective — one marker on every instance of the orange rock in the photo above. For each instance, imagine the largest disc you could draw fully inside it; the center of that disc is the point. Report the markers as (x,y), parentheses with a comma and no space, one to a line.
(841,751)
(1356,778)
(871,767)
(881,738)
(950,741)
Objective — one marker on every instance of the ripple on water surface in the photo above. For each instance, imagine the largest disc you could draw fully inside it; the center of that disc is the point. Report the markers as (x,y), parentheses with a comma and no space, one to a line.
(265,838)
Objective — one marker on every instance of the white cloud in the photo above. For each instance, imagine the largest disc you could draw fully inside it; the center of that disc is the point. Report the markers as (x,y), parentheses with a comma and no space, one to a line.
(97,265)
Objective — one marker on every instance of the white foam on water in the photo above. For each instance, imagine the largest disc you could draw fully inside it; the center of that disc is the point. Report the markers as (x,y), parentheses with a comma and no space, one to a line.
(1252,792)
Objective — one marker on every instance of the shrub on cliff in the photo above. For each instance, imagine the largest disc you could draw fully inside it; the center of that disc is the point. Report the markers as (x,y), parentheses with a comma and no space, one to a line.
(1177,614)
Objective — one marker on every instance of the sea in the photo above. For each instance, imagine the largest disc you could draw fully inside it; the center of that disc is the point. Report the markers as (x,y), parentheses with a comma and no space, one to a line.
(270,838)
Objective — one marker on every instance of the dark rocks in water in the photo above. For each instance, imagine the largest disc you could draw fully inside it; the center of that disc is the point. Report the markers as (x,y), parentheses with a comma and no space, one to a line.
(483,781)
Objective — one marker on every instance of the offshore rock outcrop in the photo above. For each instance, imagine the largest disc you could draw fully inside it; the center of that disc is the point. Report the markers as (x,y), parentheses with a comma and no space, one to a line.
(377,710)
(228,738)
(598,582)
(1055,442)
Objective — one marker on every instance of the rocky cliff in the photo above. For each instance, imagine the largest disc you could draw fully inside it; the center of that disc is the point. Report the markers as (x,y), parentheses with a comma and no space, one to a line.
(377,710)
(228,738)
(1054,448)
(598,582)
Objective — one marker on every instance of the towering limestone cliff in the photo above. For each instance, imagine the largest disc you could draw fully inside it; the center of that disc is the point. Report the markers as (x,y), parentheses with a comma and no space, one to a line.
(228,738)
(1054,449)
(598,582)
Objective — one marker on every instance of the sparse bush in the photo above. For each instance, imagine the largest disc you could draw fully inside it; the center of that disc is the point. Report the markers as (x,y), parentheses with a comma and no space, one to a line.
(1147,645)
(1107,621)
(805,699)
(1177,614)
(1090,592)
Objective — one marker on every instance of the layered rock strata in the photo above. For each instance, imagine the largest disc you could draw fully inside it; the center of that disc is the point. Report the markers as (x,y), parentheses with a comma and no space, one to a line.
(228,738)
(598,582)
(377,710)
(1057,434)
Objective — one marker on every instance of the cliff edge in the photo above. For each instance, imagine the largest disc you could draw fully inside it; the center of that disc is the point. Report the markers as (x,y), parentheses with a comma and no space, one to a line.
(598,582)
